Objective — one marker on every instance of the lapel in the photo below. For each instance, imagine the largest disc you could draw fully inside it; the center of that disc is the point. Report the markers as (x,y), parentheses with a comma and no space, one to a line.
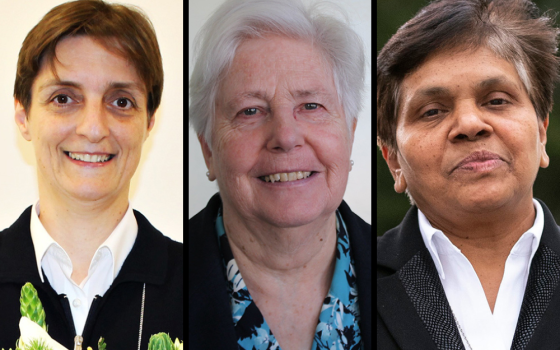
(210,319)
(538,323)
(411,302)
(17,254)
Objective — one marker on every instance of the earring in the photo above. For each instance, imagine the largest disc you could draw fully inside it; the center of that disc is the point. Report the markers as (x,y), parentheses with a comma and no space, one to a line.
(351,164)
(208,175)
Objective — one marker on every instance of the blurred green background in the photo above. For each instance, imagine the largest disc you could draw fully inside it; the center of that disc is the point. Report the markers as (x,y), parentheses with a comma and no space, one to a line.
(391,207)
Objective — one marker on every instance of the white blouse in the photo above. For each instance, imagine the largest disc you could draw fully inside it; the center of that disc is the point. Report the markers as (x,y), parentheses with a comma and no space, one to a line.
(464,292)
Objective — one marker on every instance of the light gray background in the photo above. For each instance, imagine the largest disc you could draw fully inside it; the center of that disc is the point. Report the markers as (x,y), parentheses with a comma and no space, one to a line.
(358,192)
(157,186)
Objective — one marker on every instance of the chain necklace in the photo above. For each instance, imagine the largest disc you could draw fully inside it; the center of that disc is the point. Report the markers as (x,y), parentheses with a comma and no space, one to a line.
(142,316)
(461,330)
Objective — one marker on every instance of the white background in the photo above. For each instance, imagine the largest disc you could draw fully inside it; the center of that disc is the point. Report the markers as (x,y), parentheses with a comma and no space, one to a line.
(157,187)
(358,192)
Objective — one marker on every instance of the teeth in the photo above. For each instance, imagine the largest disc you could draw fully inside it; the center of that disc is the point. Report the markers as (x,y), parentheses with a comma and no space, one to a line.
(90,158)
(287,177)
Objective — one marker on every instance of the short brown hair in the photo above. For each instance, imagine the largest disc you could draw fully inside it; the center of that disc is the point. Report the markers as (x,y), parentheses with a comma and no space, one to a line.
(120,29)
(513,29)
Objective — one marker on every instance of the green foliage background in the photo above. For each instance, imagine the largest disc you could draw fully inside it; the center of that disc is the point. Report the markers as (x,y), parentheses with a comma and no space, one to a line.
(391,207)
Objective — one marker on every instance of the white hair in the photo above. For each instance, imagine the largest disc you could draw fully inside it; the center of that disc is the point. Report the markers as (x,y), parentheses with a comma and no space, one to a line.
(239,20)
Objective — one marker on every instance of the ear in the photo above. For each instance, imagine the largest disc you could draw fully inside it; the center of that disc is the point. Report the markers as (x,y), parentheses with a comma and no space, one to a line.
(208,157)
(150,125)
(543,127)
(391,157)
(22,121)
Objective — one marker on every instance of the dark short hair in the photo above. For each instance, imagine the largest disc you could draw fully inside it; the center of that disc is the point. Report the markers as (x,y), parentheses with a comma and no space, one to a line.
(120,29)
(514,30)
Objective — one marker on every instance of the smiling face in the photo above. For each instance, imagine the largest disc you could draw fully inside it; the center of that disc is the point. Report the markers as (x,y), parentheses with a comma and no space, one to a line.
(457,104)
(277,112)
(88,127)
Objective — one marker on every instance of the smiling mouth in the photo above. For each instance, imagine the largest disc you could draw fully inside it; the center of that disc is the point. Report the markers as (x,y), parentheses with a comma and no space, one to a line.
(287,177)
(90,158)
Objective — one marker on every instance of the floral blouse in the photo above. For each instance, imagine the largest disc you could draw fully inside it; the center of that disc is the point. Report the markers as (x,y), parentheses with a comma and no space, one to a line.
(337,326)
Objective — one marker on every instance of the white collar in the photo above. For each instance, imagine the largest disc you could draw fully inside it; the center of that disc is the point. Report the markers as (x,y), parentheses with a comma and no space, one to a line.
(438,243)
(119,243)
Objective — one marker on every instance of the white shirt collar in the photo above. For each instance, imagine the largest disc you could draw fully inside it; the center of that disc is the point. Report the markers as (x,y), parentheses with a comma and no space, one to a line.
(119,243)
(438,243)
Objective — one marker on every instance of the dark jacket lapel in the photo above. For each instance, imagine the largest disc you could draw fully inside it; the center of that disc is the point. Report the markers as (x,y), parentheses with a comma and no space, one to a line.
(539,320)
(412,309)
(210,319)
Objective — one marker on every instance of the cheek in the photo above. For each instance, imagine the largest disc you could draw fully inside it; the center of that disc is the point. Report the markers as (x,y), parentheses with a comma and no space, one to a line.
(48,137)
(522,140)
(420,154)
(235,153)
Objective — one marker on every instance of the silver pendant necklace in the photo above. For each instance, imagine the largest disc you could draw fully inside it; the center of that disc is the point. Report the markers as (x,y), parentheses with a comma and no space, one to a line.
(461,330)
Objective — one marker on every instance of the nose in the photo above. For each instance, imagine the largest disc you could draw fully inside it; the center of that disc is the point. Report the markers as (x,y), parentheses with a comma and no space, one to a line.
(285,131)
(470,123)
(93,122)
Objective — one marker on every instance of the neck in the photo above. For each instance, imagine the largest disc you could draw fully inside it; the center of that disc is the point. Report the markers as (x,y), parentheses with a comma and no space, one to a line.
(80,226)
(286,256)
(490,235)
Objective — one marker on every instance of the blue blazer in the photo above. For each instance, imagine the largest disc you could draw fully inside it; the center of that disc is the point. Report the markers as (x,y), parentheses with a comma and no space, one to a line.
(210,318)
(412,309)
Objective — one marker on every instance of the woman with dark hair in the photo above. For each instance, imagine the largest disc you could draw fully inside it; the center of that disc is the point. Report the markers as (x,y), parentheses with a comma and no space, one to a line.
(89,81)
(464,92)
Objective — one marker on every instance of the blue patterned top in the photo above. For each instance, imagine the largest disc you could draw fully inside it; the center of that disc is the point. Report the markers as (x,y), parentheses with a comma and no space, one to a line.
(337,326)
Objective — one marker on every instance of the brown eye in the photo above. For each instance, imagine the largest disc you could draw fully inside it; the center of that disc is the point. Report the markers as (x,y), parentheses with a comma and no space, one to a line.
(62,99)
(498,102)
(432,113)
(123,103)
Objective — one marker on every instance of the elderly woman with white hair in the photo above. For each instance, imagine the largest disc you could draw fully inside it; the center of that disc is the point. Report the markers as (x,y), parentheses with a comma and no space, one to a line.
(277,260)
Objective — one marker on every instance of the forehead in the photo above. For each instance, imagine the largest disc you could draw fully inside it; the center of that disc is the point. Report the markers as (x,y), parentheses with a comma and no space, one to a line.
(83,59)
(265,63)
(456,70)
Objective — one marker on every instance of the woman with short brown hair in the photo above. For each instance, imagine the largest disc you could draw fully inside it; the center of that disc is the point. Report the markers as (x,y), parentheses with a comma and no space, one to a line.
(89,81)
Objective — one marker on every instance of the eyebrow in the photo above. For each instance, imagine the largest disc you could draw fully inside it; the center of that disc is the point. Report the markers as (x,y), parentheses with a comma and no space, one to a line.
(438,91)
(499,80)
(110,86)
(310,93)
(261,95)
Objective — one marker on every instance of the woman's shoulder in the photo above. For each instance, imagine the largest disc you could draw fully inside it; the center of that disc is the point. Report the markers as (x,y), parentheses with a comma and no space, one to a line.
(203,220)
(352,219)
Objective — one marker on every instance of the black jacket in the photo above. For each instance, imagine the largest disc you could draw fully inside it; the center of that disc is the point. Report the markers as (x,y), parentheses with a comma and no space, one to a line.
(412,309)
(154,259)
(210,318)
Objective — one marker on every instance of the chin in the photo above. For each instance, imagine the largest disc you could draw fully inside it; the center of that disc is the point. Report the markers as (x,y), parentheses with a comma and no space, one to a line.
(91,193)
(297,215)
(484,202)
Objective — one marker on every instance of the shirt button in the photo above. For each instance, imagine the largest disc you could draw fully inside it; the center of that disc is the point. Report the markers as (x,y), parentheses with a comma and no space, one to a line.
(77,303)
